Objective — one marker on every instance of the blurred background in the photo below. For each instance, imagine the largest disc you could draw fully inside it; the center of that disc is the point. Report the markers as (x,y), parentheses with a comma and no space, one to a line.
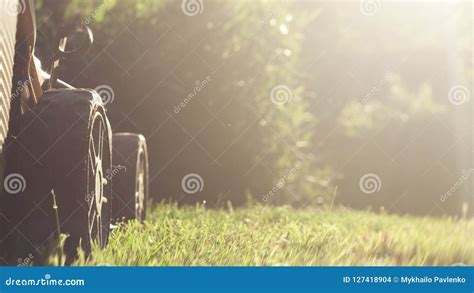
(366,104)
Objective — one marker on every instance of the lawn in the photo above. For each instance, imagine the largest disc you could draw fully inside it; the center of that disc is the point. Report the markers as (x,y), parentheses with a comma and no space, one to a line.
(272,236)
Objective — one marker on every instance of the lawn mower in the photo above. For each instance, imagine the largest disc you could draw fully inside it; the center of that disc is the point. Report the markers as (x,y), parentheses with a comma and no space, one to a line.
(63,171)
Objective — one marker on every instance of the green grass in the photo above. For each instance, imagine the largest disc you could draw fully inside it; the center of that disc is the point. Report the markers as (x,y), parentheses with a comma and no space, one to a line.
(283,236)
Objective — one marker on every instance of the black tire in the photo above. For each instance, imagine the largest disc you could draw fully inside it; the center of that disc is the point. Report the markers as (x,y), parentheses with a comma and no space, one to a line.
(64,144)
(130,176)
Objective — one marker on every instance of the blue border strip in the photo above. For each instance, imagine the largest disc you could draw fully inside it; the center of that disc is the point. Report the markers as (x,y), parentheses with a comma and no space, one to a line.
(237,279)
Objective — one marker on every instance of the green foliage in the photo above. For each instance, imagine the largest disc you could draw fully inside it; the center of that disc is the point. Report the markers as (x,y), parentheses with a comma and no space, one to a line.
(359,117)
(283,236)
